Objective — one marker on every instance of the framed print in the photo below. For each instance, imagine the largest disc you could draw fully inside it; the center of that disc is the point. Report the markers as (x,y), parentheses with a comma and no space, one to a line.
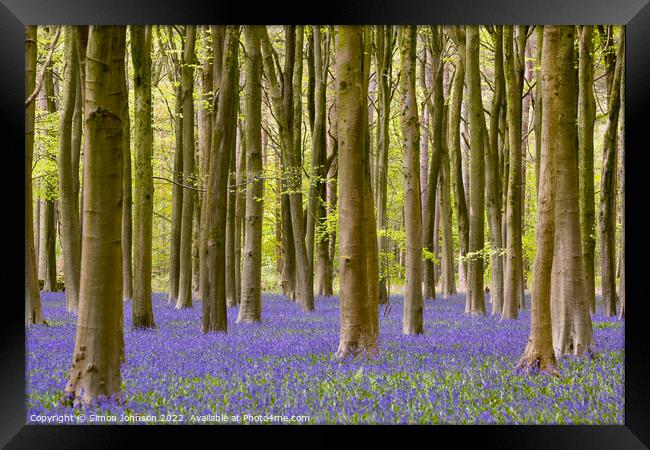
(397,216)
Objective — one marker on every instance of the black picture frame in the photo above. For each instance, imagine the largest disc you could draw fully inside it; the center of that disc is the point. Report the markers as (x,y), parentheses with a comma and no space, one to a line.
(635,14)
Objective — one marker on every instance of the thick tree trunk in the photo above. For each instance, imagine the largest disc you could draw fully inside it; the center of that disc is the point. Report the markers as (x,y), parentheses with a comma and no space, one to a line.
(572,332)
(476,174)
(68,197)
(223,137)
(251,298)
(185,252)
(607,213)
(99,341)
(142,311)
(358,333)
(413,302)
(33,312)
(586,118)
(538,354)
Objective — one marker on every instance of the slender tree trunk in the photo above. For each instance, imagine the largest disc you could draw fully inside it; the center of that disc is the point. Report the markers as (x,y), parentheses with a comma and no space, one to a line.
(477,174)
(448,285)
(33,312)
(358,334)
(185,252)
(455,154)
(281,105)
(68,197)
(413,304)
(513,267)
(240,209)
(47,247)
(211,83)
(435,112)
(99,340)
(231,281)
(142,311)
(493,178)
(177,198)
(127,202)
(538,104)
(586,118)
(607,213)
(223,135)
(251,299)
(384,46)
(538,354)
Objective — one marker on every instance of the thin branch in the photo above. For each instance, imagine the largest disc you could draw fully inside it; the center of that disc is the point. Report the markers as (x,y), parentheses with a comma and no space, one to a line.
(41,76)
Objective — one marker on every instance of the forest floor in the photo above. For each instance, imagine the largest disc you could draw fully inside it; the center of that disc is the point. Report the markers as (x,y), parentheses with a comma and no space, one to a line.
(462,370)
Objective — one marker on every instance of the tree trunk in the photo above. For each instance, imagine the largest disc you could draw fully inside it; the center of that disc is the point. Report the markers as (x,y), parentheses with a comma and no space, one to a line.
(538,354)
(240,209)
(586,118)
(99,341)
(47,246)
(493,178)
(513,267)
(251,299)
(177,197)
(435,112)
(127,202)
(223,136)
(447,266)
(185,252)
(358,334)
(33,312)
(413,304)
(383,61)
(282,106)
(142,311)
(607,214)
(460,203)
(572,332)
(621,286)
(476,174)
(68,197)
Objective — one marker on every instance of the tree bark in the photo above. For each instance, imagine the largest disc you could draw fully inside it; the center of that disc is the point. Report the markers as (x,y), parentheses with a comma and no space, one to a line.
(68,197)
(572,332)
(142,311)
(251,299)
(358,334)
(33,311)
(586,118)
(187,216)
(223,135)
(476,175)
(99,341)
(413,302)
(538,354)
(607,213)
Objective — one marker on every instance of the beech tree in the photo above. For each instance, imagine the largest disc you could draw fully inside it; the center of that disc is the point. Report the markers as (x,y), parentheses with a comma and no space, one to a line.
(413,303)
(538,353)
(251,299)
(68,196)
(475,298)
(33,311)
(357,309)
(99,341)
(142,314)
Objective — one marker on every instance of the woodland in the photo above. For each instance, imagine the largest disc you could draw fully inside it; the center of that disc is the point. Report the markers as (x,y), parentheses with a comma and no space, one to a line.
(325,224)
